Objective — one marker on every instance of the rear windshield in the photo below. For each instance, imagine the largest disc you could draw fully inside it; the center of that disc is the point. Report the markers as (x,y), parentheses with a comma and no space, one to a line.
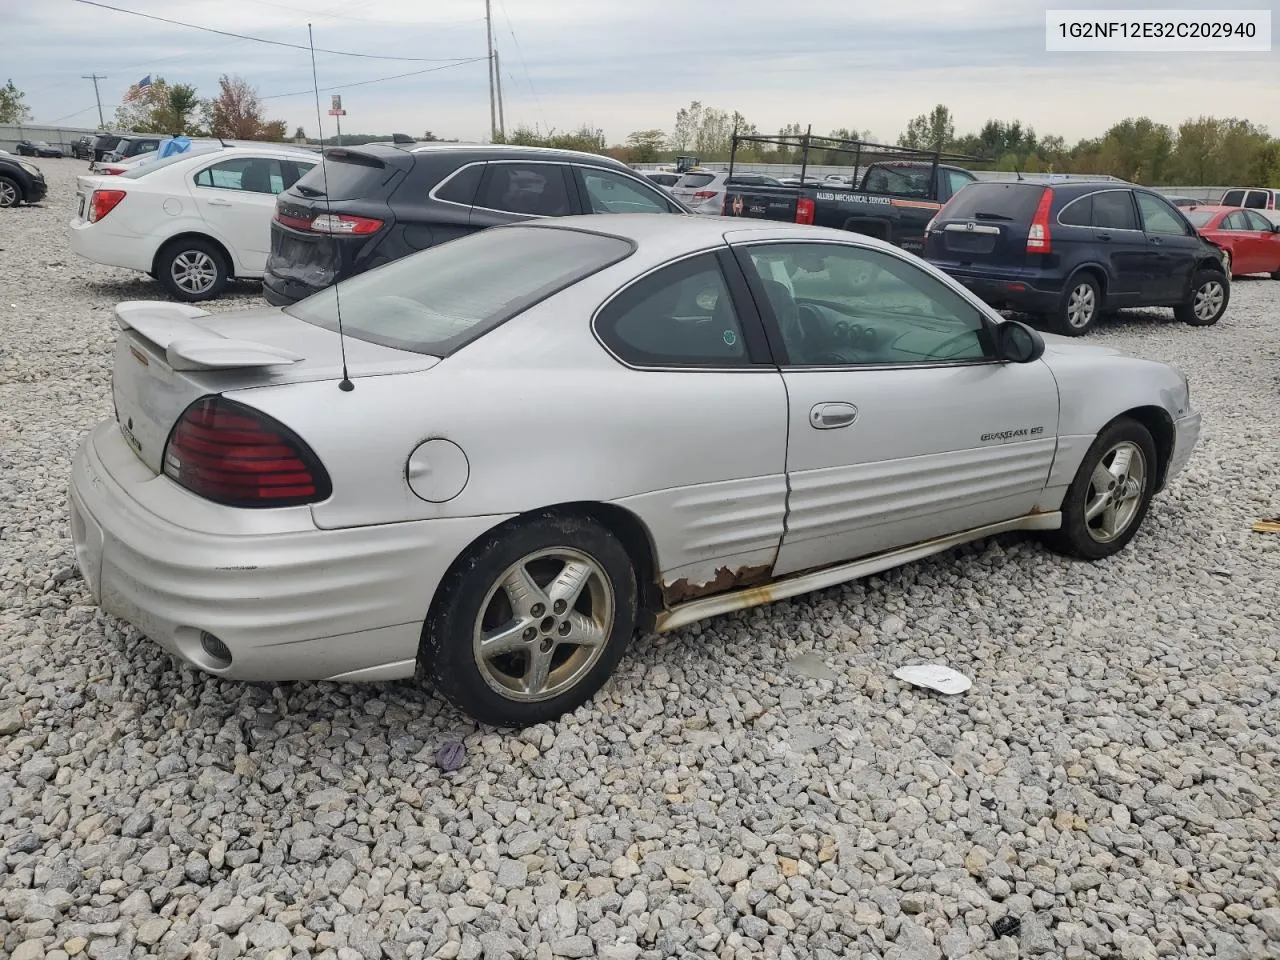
(347,180)
(695,180)
(995,201)
(437,301)
(1198,218)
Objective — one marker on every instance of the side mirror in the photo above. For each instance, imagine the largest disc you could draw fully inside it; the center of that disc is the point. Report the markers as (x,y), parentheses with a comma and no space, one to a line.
(1018,343)
(1275,228)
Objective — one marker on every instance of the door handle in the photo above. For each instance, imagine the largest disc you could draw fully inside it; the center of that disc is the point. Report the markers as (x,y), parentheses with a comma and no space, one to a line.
(1102,236)
(1156,240)
(829,416)
(219,203)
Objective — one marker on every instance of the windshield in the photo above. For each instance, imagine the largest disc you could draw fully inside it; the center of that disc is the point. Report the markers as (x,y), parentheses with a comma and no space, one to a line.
(439,300)
(1198,218)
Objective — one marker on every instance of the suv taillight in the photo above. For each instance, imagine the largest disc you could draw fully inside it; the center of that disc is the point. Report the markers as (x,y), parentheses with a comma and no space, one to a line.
(103,202)
(1038,237)
(331,223)
(232,454)
(704,194)
(804,210)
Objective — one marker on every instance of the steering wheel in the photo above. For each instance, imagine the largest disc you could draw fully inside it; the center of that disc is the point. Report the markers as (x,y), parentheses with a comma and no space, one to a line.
(968,334)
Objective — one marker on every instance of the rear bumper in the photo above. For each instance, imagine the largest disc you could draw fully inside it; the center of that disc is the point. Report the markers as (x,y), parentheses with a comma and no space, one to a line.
(298,603)
(1028,294)
(97,242)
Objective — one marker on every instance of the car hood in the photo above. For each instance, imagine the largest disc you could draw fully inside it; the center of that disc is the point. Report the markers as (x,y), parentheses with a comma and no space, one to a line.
(1056,345)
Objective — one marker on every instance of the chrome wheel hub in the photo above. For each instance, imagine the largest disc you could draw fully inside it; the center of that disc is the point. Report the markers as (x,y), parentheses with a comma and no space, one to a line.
(8,194)
(1208,300)
(194,271)
(1081,306)
(1115,492)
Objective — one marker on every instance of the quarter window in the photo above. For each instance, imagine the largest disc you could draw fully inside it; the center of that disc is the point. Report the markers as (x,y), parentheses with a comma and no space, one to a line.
(528,189)
(836,305)
(1159,216)
(462,186)
(1236,221)
(680,316)
(247,174)
(608,192)
(1077,213)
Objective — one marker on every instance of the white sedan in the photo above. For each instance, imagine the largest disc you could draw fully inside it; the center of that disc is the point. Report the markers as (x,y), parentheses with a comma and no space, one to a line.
(192,221)
(548,434)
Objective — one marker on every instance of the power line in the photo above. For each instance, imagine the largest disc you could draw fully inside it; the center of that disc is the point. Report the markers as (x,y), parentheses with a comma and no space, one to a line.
(520,55)
(69,116)
(365,83)
(274,43)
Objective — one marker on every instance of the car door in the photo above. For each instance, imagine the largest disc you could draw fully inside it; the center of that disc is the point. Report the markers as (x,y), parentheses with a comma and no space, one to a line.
(607,191)
(1173,248)
(1233,233)
(237,198)
(902,425)
(1264,243)
(515,190)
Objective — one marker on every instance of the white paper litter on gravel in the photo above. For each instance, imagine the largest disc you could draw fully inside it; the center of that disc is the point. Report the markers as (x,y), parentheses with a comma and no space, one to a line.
(935,676)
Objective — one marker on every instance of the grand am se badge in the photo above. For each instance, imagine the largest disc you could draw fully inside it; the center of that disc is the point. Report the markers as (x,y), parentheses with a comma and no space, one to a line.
(1012,434)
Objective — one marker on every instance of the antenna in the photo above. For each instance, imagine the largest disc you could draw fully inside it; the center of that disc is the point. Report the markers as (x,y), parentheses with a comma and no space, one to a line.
(345,383)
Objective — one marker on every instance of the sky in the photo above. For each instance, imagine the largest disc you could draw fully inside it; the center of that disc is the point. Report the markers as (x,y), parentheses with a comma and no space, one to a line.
(624,66)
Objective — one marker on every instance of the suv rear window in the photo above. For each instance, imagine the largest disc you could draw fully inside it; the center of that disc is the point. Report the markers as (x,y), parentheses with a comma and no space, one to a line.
(691,181)
(346,179)
(440,299)
(995,201)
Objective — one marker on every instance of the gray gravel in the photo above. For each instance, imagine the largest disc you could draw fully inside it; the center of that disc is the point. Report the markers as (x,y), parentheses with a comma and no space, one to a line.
(756,786)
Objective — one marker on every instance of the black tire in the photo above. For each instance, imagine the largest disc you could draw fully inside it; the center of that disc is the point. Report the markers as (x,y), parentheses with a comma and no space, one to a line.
(194,255)
(10,192)
(1202,308)
(472,594)
(1275,275)
(1080,307)
(1083,538)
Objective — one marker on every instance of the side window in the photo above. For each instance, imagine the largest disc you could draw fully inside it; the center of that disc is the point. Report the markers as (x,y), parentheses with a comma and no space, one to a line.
(461,187)
(295,170)
(1256,200)
(1236,221)
(1159,216)
(608,192)
(955,180)
(681,315)
(247,174)
(1233,198)
(528,189)
(839,304)
(1257,221)
(1078,213)
(1113,210)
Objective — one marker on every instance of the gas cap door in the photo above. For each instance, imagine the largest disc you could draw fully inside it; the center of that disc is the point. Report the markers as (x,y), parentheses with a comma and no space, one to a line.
(438,470)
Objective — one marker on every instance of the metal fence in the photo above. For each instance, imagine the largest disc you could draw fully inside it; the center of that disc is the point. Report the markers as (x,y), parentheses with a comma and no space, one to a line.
(56,136)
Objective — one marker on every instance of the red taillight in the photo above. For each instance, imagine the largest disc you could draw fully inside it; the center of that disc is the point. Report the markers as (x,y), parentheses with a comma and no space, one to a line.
(1038,238)
(804,210)
(332,223)
(704,194)
(111,171)
(234,455)
(103,202)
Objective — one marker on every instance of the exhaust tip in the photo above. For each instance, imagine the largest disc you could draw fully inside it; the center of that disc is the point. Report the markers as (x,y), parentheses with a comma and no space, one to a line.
(215,649)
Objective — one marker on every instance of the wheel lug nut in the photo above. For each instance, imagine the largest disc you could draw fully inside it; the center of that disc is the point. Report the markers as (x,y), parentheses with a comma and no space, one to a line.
(538,609)
(564,628)
(559,606)
(529,633)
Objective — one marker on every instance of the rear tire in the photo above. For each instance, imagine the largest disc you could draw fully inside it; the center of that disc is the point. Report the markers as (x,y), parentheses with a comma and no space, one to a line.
(1115,482)
(1275,275)
(10,192)
(192,270)
(1210,294)
(553,597)
(1080,307)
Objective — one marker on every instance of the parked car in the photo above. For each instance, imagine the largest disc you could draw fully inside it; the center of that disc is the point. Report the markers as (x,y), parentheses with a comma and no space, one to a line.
(1185,201)
(192,221)
(370,205)
(21,181)
(240,511)
(82,147)
(36,148)
(704,191)
(1255,198)
(103,144)
(1068,252)
(131,146)
(1251,241)
(663,178)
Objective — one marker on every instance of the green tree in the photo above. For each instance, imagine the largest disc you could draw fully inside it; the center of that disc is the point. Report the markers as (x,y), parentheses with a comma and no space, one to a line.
(236,113)
(645,146)
(13,108)
(1136,149)
(688,122)
(934,130)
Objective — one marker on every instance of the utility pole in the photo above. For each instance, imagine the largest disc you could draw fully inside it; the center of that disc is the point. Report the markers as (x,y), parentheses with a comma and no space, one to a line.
(493,109)
(95,78)
(497,72)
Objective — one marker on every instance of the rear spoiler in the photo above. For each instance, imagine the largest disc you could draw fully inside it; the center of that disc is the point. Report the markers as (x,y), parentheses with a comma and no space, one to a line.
(189,346)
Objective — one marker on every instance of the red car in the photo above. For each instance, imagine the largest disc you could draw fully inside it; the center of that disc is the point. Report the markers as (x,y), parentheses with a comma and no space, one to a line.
(1251,240)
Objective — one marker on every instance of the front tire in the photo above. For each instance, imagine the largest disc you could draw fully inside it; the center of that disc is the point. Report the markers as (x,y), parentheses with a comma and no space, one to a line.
(1109,497)
(1080,307)
(532,621)
(1210,294)
(10,192)
(192,270)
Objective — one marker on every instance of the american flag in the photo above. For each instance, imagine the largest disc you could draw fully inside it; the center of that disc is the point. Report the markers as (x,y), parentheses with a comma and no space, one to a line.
(135,91)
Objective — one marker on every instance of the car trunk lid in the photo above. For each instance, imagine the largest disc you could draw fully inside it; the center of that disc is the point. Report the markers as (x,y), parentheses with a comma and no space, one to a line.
(169,355)
(985,223)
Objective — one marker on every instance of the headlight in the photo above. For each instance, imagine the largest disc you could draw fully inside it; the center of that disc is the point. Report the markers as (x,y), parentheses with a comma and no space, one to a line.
(29,167)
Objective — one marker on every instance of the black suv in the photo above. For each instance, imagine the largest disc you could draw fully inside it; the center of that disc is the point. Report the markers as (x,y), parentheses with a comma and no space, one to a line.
(1069,252)
(370,205)
(20,181)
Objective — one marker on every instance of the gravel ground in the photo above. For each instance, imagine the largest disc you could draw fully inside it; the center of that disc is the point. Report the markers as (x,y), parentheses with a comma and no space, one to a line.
(756,786)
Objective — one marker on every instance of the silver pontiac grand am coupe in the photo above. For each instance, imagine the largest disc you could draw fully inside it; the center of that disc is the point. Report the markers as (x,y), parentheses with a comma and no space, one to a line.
(551,434)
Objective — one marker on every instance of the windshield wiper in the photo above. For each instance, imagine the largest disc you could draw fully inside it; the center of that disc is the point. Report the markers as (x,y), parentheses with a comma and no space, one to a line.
(991,216)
